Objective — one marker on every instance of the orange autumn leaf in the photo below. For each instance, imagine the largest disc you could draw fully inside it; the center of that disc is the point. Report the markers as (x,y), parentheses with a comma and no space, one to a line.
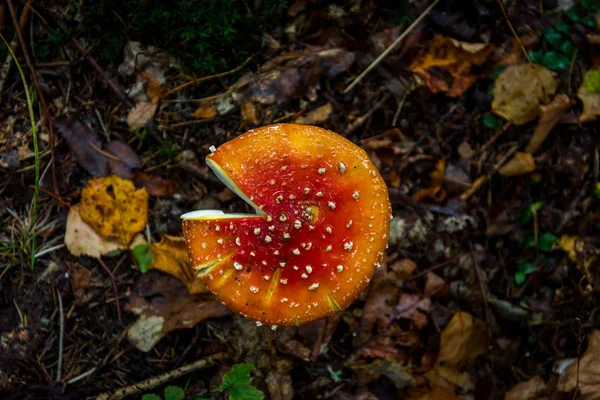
(171,256)
(435,190)
(114,208)
(205,111)
(445,65)
(154,89)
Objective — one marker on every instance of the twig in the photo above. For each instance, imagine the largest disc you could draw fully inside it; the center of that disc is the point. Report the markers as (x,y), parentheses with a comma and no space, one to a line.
(81,376)
(114,285)
(36,84)
(207,78)
(61,321)
(513,30)
(159,380)
(495,137)
(481,287)
(483,179)
(361,120)
(50,250)
(391,47)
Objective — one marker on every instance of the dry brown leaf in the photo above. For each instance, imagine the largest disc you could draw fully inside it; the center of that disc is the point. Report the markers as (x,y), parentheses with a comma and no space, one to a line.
(549,116)
(155,185)
(171,256)
(464,339)
(140,114)
(84,285)
(520,89)
(435,190)
(522,163)
(114,208)
(433,284)
(154,89)
(528,390)
(205,111)
(446,63)
(249,114)
(162,305)
(584,375)
(82,240)
(316,116)
(437,393)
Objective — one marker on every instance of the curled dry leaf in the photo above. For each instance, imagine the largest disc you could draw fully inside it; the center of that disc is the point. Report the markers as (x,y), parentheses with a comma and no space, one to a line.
(522,163)
(316,116)
(205,110)
(528,390)
(584,375)
(114,208)
(82,240)
(162,305)
(549,116)
(141,114)
(82,140)
(435,189)
(249,114)
(171,256)
(520,89)
(464,339)
(445,64)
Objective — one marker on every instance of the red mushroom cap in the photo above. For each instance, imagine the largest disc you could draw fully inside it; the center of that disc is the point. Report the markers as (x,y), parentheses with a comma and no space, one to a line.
(320,231)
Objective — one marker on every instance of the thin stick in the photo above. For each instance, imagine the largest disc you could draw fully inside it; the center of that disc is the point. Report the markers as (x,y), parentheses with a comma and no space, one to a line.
(13,45)
(495,137)
(36,84)
(513,30)
(206,78)
(391,47)
(159,380)
(61,320)
(483,179)
(114,285)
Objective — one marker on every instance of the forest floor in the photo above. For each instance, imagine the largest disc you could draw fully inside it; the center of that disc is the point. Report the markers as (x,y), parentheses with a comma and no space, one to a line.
(481,120)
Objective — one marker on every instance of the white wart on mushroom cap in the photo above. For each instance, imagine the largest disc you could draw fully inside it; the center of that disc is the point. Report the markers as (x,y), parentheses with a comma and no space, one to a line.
(320,230)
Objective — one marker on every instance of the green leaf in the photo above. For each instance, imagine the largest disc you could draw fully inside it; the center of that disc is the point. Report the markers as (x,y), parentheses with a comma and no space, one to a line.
(546,241)
(529,242)
(529,211)
(491,121)
(591,82)
(239,375)
(562,27)
(590,21)
(567,47)
(174,393)
(597,190)
(574,14)
(151,397)
(591,5)
(536,56)
(555,61)
(246,392)
(143,256)
(523,270)
(553,37)
(498,70)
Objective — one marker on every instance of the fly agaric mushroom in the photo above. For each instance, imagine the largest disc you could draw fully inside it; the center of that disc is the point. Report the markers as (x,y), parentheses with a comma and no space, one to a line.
(319,233)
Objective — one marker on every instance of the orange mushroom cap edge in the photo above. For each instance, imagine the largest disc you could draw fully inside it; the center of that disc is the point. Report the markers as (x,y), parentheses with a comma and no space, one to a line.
(319,233)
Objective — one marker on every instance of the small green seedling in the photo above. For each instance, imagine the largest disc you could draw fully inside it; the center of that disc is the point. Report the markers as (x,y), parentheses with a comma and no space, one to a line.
(171,393)
(143,256)
(523,270)
(529,212)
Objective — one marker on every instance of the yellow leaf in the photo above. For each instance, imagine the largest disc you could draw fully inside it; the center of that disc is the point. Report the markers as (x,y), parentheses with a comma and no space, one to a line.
(464,339)
(435,189)
(171,256)
(521,163)
(114,208)
(205,111)
(567,243)
(590,101)
(520,89)
(82,240)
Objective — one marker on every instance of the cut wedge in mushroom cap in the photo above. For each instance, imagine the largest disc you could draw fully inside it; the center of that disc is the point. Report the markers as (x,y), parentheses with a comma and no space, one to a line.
(319,233)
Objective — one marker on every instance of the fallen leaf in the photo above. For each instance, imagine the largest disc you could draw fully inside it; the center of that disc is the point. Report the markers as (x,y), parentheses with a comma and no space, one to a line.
(205,111)
(516,55)
(520,89)
(528,390)
(437,393)
(433,285)
(124,159)
(163,305)
(82,240)
(549,116)
(81,140)
(584,375)
(171,256)
(435,189)
(521,163)
(589,97)
(155,185)
(446,64)
(464,339)
(84,285)
(154,89)
(411,307)
(316,116)
(141,114)
(582,254)
(249,114)
(394,370)
(114,208)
